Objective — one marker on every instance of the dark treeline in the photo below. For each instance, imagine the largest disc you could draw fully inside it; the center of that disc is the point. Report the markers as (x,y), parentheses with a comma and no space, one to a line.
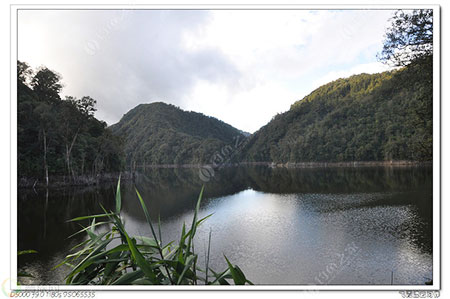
(59,137)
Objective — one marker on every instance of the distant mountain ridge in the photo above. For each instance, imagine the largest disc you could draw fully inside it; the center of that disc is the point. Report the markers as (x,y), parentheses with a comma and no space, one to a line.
(160,133)
(367,117)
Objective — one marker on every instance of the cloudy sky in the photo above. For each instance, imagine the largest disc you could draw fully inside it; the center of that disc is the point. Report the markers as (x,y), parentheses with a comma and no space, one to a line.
(240,66)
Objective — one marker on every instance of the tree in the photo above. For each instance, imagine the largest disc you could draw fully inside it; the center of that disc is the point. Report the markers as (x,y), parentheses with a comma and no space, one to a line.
(45,114)
(86,105)
(71,123)
(76,115)
(409,42)
(409,38)
(24,72)
(47,85)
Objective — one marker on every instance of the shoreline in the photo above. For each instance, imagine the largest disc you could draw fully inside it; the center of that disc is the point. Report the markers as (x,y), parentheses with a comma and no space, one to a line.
(78,181)
(296,164)
(64,181)
(340,164)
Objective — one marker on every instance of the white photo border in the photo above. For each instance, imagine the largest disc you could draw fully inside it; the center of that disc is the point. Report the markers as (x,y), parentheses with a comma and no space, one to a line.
(436,286)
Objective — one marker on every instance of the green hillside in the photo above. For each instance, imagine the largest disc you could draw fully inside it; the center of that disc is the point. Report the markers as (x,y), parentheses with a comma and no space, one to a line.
(386,116)
(160,133)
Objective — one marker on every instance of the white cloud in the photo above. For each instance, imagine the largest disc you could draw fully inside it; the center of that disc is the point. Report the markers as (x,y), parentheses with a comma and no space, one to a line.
(247,109)
(276,53)
(241,66)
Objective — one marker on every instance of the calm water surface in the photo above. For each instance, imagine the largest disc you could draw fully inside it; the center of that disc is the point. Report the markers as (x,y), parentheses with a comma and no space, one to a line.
(281,226)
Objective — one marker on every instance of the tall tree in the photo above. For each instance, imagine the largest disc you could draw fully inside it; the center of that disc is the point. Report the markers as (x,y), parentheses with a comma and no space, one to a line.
(409,38)
(47,85)
(24,73)
(74,118)
(409,42)
(45,114)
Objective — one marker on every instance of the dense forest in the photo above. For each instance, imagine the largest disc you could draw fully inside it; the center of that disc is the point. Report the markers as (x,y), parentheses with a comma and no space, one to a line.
(160,133)
(59,137)
(386,116)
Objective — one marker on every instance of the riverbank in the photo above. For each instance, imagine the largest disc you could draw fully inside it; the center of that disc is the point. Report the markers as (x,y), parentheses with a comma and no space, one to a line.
(340,164)
(296,164)
(66,181)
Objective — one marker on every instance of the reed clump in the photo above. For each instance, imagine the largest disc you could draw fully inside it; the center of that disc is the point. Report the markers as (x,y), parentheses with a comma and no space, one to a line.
(141,260)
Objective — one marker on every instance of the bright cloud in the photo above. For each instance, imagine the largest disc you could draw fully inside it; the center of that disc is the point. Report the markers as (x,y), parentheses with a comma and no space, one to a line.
(241,66)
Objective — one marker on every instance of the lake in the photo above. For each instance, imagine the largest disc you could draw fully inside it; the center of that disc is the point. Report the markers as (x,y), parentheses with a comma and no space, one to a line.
(320,226)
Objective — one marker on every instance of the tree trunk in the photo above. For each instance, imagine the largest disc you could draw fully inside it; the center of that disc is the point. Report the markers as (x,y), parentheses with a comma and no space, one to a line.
(68,159)
(68,152)
(45,157)
(82,165)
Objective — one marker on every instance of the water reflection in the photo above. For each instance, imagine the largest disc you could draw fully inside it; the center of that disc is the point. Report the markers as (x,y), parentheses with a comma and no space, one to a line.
(42,225)
(282,226)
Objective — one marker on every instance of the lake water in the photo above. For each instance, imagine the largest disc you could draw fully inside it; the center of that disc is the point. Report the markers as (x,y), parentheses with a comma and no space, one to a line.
(364,226)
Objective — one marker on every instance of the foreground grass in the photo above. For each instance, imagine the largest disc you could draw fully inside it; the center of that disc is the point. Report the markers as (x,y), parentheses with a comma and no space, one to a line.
(139,260)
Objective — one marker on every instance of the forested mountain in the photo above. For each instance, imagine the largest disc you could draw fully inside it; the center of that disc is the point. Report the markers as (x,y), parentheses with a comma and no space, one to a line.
(377,117)
(59,136)
(386,116)
(159,133)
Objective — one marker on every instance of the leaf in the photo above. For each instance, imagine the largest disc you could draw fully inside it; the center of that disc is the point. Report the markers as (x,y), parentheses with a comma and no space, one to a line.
(24,274)
(220,277)
(142,281)
(88,260)
(79,245)
(238,276)
(147,215)
(207,258)
(194,223)
(91,234)
(159,229)
(129,277)
(90,217)
(242,274)
(148,241)
(168,254)
(149,221)
(118,248)
(118,198)
(26,252)
(137,255)
(93,226)
(181,243)
(88,227)
(189,261)
(110,261)
(91,243)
